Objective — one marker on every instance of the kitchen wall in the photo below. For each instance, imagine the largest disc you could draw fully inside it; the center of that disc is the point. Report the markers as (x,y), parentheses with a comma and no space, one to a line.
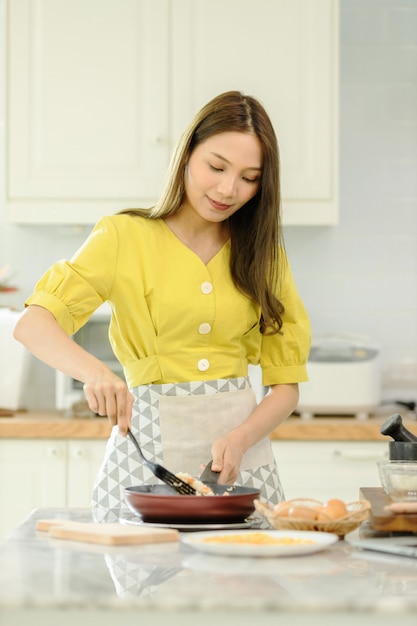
(360,276)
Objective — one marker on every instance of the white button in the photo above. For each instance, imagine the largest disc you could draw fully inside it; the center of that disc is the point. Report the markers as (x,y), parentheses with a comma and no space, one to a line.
(206,287)
(204,329)
(203,365)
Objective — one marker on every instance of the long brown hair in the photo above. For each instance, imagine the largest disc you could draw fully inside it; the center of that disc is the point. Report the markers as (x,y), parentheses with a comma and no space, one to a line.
(255,229)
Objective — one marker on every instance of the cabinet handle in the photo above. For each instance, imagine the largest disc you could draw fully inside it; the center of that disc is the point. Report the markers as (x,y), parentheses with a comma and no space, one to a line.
(360,455)
(53,451)
(78,452)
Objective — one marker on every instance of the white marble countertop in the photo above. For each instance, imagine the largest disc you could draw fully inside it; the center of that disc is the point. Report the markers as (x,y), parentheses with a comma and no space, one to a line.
(43,580)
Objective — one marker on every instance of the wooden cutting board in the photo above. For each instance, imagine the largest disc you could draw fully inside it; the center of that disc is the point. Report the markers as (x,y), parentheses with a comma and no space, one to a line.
(109,534)
(386,521)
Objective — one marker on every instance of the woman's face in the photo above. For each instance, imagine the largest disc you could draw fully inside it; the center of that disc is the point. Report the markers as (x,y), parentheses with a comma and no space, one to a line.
(223,174)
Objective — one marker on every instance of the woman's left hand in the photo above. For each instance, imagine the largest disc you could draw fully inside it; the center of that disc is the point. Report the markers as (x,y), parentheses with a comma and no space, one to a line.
(228,450)
(227,454)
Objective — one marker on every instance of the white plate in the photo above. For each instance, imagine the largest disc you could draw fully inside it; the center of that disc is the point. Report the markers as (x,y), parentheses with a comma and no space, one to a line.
(319,541)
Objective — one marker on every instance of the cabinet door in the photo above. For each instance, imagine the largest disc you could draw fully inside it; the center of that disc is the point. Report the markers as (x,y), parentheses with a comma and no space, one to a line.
(32,475)
(323,470)
(98,92)
(285,53)
(87,119)
(84,460)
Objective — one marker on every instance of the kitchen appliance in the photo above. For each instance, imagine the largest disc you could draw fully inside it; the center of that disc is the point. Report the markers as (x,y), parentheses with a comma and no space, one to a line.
(93,337)
(344,377)
(13,364)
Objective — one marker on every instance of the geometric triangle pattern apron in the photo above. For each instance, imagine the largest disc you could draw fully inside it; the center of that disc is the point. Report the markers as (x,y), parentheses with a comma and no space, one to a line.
(176,424)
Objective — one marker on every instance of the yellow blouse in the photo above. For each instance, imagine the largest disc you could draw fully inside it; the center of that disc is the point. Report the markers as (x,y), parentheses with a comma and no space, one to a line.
(174,319)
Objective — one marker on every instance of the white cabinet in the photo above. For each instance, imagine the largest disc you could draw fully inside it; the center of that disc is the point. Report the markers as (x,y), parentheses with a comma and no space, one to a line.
(45,473)
(98,93)
(32,475)
(84,459)
(87,120)
(285,52)
(328,469)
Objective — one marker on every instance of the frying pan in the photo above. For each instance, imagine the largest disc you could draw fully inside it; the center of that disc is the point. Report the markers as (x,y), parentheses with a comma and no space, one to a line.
(157,503)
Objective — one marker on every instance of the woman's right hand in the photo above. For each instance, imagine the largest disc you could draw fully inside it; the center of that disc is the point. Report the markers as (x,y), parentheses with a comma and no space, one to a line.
(108,395)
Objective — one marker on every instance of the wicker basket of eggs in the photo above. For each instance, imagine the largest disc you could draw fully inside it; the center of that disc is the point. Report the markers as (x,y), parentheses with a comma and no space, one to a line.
(333,516)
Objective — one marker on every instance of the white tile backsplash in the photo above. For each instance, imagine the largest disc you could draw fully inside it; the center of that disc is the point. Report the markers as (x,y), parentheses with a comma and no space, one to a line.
(359,276)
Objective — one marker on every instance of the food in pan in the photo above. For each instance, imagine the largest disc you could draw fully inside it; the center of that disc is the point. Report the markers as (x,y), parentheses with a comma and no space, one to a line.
(201,488)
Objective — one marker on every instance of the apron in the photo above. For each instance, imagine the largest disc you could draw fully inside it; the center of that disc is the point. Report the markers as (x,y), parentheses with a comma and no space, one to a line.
(176,424)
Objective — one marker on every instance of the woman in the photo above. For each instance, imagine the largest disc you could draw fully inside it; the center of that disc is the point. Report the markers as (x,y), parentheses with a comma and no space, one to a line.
(199,287)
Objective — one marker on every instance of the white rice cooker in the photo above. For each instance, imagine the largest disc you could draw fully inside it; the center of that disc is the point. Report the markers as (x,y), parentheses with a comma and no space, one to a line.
(344,377)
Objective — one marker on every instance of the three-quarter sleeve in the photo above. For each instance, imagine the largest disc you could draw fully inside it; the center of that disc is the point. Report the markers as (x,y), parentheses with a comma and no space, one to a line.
(72,290)
(284,355)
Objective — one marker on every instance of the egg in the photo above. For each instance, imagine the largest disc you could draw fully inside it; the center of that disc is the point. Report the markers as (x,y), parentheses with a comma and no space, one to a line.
(335,508)
(302,512)
(331,510)
(323,514)
(282,508)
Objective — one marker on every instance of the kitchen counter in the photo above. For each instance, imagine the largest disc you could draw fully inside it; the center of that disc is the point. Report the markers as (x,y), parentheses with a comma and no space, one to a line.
(45,581)
(56,426)
(53,425)
(336,429)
